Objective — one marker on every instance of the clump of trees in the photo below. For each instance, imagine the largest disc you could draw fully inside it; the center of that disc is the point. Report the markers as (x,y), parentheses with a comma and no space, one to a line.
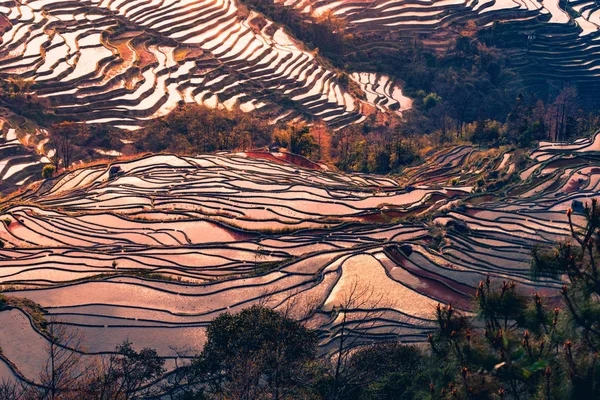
(63,138)
(196,129)
(48,171)
(68,374)
(369,149)
(472,93)
(78,141)
(16,93)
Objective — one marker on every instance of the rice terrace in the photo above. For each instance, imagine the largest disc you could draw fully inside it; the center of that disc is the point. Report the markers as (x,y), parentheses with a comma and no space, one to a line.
(256,199)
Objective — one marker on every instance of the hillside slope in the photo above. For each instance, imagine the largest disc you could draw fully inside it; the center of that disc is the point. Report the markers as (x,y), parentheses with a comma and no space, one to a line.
(122,62)
(153,249)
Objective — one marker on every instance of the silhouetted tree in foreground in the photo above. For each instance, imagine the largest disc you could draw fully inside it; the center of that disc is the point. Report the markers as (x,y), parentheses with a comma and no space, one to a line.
(388,371)
(527,347)
(63,369)
(257,354)
(122,375)
(68,374)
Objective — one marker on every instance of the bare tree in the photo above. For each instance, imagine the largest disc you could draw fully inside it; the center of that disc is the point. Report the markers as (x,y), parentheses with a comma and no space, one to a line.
(559,112)
(10,389)
(122,376)
(102,380)
(359,310)
(62,373)
(63,138)
(183,380)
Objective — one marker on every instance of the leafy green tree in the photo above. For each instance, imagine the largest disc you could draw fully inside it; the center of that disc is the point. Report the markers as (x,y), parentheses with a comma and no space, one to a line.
(578,261)
(502,358)
(48,171)
(388,371)
(524,346)
(431,100)
(301,141)
(257,354)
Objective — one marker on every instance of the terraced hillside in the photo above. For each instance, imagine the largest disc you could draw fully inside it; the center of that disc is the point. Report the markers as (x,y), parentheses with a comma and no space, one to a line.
(154,248)
(123,62)
(549,39)
(23,151)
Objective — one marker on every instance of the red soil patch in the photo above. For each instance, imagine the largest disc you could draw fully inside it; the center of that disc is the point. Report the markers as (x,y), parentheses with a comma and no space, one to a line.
(145,58)
(434,285)
(471,212)
(5,24)
(572,186)
(264,156)
(125,52)
(285,158)
(299,161)
(123,48)
(387,216)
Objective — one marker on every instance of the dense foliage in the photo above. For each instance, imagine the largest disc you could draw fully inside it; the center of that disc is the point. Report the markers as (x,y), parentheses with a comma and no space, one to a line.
(15,94)
(257,354)
(193,129)
(525,347)
(198,129)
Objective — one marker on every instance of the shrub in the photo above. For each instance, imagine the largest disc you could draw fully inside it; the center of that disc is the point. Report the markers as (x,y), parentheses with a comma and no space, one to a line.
(257,351)
(388,371)
(431,100)
(48,171)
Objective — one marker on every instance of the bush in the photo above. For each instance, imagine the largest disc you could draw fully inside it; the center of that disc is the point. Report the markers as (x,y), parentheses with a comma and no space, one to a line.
(48,171)
(388,371)
(431,100)
(257,351)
